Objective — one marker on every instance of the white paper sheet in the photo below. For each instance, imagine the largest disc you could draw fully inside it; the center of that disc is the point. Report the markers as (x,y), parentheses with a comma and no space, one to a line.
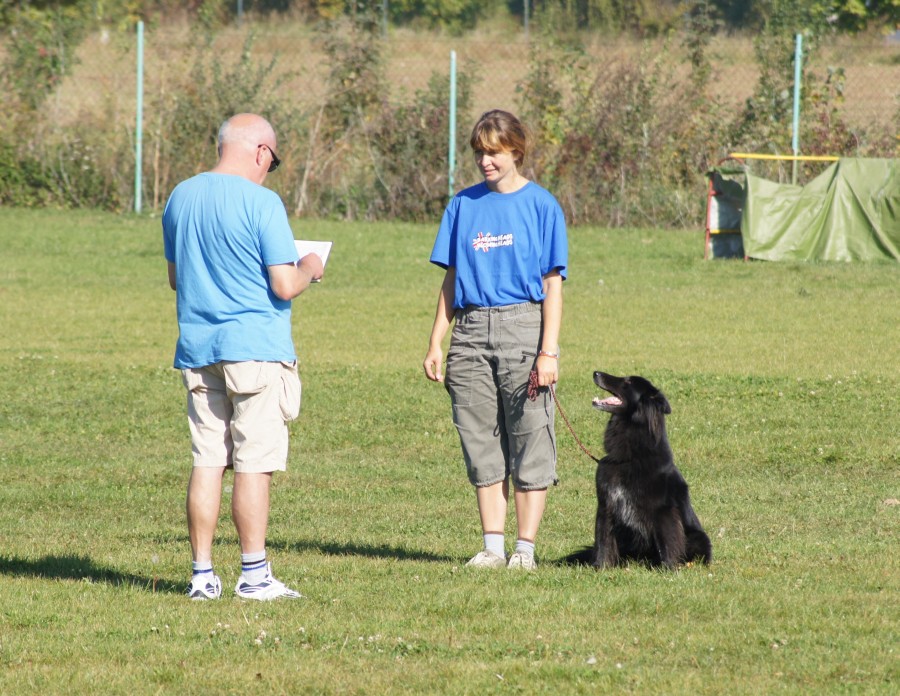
(306,246)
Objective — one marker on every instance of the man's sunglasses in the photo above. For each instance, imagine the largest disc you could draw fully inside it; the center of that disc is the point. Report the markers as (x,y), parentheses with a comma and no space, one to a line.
(275,160)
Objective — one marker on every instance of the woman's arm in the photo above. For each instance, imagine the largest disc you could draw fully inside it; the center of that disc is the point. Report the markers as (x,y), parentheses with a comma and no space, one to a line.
(442,318)
(547,366)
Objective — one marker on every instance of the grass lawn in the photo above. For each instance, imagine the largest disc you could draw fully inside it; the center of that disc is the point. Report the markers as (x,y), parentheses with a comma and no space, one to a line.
(783,381)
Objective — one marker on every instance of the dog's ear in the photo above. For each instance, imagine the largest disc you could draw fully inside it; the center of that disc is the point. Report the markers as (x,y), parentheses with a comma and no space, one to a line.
(661,402)
(655,410)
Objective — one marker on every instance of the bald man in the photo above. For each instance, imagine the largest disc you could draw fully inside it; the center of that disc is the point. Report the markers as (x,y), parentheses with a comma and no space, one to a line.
(234,268)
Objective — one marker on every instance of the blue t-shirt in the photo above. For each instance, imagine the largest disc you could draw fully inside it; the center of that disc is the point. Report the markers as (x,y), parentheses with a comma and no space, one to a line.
(501,244)
(221,232)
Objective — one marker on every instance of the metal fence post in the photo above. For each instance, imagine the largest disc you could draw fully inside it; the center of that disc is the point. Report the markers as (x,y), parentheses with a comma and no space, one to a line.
(451,154)
(139,125)
(798,75)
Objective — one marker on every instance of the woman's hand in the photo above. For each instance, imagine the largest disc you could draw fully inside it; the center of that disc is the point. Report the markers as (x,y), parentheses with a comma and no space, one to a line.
(547,370)
(432,364)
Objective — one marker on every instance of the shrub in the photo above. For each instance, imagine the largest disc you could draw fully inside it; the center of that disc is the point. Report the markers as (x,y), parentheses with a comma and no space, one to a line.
(611,137)
(622,142)
(22,179)
(368,156)
(40,50)
(388,163)
(451,15)
(405,147)
(181,141)
(355,76)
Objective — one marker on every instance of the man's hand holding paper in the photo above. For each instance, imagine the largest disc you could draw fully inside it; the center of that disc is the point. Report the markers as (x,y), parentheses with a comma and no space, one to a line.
(312,264)
(307,247)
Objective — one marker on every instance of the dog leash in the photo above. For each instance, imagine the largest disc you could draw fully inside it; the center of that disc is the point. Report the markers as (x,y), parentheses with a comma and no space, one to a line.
(534,388)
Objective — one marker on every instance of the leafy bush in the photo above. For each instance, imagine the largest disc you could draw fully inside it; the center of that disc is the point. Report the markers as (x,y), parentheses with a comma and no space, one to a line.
(22,179)
(623,142)
(630,143)
(368,156)
(616,143)
(40,50)
(182,139)
(405,147)
(451,15)
(355,76)
(389,165)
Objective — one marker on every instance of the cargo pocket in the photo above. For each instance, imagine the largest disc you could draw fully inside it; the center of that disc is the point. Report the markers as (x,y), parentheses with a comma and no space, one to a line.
(459,375)
(191,378)
(291,390)
(250,377)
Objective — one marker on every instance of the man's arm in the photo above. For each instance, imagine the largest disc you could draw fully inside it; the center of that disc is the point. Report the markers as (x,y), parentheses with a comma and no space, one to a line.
(172,282)
(288,280)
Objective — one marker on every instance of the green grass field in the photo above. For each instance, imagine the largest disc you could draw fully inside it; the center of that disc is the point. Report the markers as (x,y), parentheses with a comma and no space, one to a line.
(783,381)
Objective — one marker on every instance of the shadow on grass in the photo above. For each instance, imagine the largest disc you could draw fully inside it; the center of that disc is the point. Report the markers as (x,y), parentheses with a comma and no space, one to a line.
(81,568)
(227,542)
(333,548)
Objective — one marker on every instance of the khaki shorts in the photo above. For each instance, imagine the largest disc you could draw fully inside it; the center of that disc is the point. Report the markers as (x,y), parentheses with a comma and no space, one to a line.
(503,434)
(238,414)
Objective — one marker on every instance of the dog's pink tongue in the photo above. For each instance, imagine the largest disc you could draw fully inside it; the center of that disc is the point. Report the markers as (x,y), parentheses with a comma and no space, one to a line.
(609,401)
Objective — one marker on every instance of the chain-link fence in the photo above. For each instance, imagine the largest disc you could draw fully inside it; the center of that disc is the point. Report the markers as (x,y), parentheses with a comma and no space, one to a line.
(105,69)
(859,78)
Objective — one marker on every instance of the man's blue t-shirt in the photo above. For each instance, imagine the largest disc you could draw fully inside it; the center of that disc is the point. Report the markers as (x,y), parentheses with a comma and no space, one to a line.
(221,232)
(501,244)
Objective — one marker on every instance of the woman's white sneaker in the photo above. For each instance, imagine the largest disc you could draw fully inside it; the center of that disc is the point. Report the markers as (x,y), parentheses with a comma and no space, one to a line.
(486,559)
(525,561)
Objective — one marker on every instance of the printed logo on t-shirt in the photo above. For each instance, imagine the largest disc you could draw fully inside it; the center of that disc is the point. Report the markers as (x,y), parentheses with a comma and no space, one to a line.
(486,242)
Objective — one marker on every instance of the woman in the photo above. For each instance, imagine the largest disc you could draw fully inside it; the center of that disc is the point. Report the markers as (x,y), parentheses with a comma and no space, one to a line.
(504,247)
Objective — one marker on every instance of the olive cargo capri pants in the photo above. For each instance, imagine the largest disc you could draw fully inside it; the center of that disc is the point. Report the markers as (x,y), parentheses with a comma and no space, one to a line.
(503,434)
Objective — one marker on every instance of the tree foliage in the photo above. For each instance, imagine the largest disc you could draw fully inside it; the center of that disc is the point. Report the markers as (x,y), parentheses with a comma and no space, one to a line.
(641,17)
(645,17)
(619,143)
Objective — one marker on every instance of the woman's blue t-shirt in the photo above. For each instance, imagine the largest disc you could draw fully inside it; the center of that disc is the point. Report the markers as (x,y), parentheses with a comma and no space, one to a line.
(501,244)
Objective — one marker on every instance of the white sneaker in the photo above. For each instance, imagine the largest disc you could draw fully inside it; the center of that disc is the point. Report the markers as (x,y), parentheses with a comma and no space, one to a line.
(525,561)
(486,559)
(269,588)
(201,587)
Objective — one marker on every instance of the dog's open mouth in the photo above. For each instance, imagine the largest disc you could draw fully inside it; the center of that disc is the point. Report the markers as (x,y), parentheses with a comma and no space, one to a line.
(606,404)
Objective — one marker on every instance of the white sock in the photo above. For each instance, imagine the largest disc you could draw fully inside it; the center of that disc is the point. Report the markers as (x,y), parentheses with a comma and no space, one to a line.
(202,568)
(495,544)
(524,546)
(254,567)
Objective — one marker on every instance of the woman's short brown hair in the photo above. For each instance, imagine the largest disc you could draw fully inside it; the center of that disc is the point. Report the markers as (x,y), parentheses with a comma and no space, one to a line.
(501,131)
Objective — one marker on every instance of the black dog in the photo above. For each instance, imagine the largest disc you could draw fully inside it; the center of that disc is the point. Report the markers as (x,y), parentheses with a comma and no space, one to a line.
(644,512)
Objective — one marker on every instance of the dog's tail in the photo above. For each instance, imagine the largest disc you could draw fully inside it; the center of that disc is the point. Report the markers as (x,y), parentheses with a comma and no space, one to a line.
(584,556)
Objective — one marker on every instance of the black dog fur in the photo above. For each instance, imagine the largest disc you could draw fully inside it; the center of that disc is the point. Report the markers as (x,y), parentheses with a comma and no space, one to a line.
(644,511)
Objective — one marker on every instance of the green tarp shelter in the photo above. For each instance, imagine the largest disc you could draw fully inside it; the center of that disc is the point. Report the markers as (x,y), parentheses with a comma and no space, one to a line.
(850,212)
